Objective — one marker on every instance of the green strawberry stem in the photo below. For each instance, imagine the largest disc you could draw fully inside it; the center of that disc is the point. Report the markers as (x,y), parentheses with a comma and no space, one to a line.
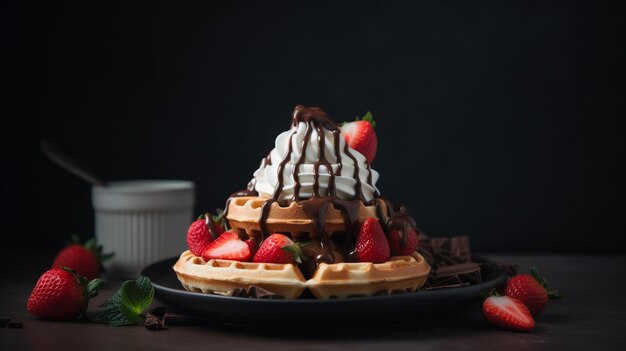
(221,219)
(296,251)
(368,118)
(90,289)
(552,293)
(92,245)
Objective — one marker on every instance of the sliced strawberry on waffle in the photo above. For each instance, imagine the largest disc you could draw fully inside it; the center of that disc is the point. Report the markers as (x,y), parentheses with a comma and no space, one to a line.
(227,246)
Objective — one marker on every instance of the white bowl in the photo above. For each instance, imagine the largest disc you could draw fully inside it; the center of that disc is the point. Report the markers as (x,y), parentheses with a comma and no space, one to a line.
(142,221)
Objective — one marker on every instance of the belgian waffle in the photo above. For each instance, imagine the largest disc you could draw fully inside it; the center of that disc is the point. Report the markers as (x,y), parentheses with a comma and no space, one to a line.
(223,276)
(244,214)
(338,280)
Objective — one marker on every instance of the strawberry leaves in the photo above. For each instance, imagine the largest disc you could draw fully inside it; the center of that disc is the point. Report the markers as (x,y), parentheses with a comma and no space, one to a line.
(552,293)
(368,118)
(127,304)
(92,245)
(296,251)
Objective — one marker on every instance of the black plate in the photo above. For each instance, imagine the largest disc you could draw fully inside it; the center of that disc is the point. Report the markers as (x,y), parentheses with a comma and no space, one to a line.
(377,310)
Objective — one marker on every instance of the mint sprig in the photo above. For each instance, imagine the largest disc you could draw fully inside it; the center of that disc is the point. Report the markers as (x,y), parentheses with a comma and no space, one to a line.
(127,304)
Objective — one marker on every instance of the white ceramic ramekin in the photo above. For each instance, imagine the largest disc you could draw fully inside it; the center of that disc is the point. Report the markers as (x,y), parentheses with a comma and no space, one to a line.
(142,221)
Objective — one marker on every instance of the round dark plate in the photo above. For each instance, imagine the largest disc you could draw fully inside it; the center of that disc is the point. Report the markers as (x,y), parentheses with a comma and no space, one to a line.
(375,310)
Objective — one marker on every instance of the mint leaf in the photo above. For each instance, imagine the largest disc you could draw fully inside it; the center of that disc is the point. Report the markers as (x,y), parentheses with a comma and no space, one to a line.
(126,305)
(137,295)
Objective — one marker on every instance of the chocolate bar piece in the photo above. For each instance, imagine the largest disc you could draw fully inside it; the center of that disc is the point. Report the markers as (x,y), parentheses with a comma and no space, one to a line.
(255,292)
(154,318)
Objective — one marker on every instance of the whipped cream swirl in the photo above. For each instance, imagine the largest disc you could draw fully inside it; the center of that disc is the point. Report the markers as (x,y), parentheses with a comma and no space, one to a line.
(346,186)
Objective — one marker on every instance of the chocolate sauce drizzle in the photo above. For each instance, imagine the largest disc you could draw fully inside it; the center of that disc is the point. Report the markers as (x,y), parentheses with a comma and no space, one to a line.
(397,219)
(315,207)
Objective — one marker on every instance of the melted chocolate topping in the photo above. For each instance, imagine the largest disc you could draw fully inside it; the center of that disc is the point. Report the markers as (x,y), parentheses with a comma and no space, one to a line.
(316,206)
(397,219)
(211,225)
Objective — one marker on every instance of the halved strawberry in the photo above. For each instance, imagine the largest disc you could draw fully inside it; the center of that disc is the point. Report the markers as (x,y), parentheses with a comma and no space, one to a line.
(227,247)
(278,248)
(360,136)
(253,246)
(508,312)
(371,244)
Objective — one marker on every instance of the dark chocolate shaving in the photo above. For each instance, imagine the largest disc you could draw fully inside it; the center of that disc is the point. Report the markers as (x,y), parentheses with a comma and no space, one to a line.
(255,292)
(450,261)
(154,319)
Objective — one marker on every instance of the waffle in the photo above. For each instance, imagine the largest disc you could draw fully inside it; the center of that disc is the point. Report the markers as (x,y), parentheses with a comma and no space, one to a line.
(350,279)
(223,276)
(338,280)
(244,213)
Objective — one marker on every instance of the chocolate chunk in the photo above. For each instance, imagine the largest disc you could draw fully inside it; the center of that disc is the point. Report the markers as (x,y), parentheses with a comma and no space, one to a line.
(4,321)
(153,322)
(15,325)
(459,273)
(450,261)
(254,292)
(154,318)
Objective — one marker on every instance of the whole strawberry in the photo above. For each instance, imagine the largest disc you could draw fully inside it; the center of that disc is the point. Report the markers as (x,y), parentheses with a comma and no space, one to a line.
(398,246)
(371,244)
(360,136)
(508,312)
(203,231)
(531,290)
(61,294)
(278,248)
(85,259)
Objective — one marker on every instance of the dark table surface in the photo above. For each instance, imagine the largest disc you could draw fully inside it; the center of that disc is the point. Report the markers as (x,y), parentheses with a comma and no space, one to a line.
(592,315)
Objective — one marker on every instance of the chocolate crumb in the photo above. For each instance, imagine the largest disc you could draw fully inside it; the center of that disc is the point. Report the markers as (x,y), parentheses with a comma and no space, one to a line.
(154,318)
(15,325)
(4,321)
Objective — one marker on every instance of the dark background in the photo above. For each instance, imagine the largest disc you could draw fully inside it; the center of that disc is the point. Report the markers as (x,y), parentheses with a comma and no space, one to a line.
(499,120)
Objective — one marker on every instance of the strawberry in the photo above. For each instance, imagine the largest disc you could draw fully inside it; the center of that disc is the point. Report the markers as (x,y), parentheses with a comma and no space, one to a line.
(360,136)
(199,233)
(85,259)
(371,244)
(227,246)
(253,246)
(398,248)
(61,294)
(531,290)
(278,248)
(508,312)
